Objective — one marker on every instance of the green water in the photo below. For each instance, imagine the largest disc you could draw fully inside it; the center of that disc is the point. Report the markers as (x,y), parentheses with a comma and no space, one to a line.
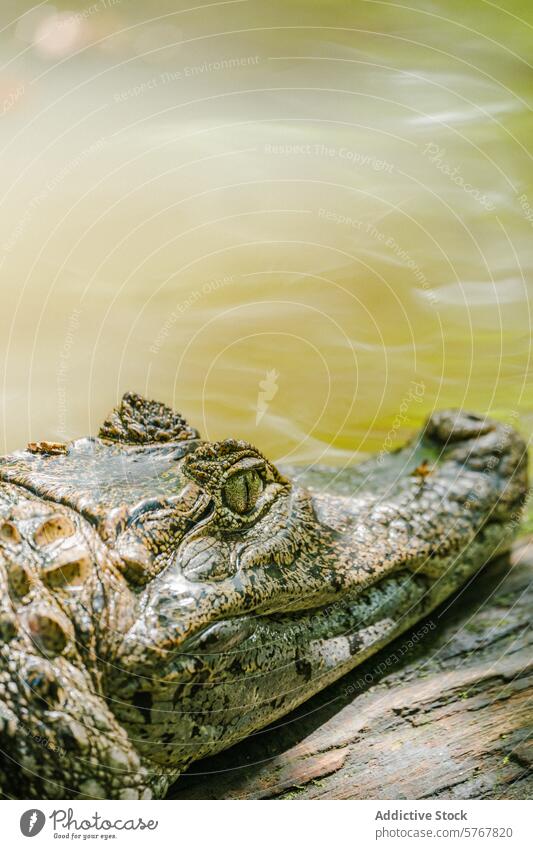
(303,224)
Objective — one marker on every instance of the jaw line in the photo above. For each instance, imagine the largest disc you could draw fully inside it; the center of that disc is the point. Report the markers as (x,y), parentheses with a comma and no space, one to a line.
(366,606)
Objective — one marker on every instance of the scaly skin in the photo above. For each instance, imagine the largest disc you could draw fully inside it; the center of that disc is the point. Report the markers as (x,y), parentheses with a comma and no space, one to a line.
(164,597)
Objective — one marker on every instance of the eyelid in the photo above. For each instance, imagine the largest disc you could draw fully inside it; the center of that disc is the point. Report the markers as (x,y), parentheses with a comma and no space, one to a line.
(245,465)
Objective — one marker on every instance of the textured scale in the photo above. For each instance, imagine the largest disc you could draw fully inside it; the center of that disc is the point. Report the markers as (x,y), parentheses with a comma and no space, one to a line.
(162,597)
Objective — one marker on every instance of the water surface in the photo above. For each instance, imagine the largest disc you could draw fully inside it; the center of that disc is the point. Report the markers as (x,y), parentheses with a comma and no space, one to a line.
(305,224)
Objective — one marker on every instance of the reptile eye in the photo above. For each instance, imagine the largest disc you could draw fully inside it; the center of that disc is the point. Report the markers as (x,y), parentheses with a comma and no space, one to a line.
(242,490)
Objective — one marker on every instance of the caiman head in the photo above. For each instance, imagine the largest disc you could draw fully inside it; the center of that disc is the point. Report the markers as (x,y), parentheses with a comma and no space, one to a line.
(206,593)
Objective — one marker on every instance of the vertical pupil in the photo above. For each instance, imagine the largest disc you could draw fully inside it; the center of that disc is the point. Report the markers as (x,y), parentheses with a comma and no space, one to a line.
(242,490)
(246,482)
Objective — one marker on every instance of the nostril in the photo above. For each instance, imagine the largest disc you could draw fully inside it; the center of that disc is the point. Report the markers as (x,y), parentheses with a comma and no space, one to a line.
(54,528)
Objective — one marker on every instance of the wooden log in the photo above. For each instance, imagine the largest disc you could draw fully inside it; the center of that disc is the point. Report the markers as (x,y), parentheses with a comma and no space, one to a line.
(444,712)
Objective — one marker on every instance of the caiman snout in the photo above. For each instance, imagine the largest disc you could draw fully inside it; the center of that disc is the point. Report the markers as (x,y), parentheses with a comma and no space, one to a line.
(305,550)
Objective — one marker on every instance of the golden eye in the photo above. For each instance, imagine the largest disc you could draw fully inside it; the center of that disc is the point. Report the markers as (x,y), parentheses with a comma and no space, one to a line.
(242,490)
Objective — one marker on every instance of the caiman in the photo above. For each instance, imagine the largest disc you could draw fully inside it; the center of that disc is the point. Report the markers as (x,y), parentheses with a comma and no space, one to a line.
(163,597)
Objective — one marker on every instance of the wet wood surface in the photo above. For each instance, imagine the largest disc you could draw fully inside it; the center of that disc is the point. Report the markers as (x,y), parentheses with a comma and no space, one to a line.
(446,711)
